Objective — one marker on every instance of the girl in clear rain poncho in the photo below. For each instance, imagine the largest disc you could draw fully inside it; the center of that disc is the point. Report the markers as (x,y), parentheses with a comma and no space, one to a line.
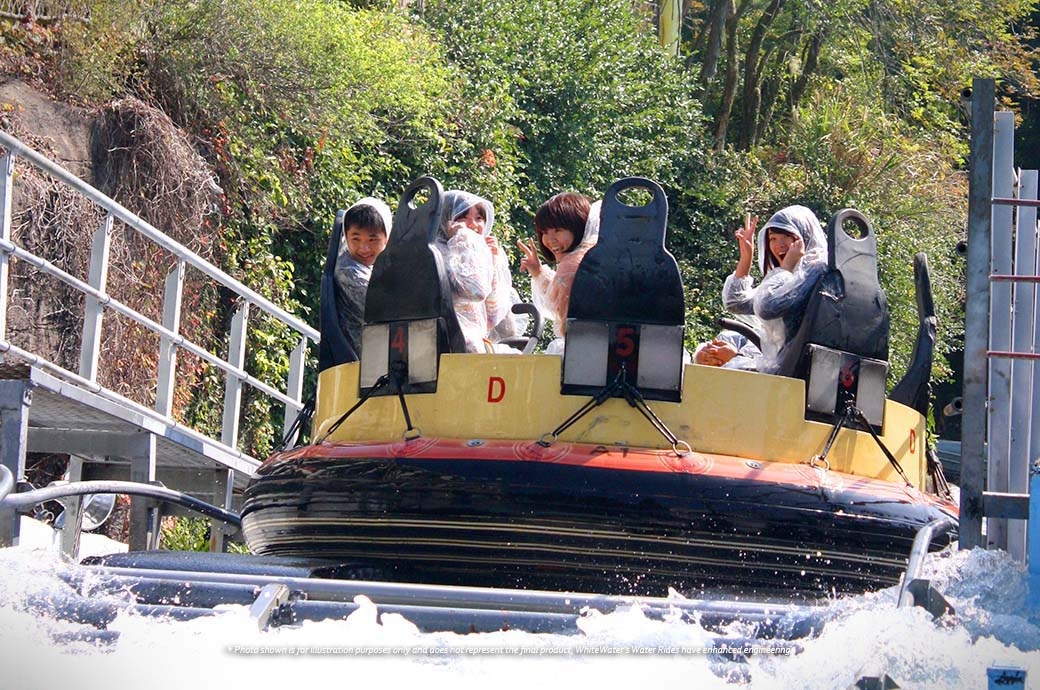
(566,226)
(792,250)
(366,229)
(478,270)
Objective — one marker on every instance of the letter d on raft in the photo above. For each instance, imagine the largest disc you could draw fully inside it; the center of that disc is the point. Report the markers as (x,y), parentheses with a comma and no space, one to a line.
(496,389)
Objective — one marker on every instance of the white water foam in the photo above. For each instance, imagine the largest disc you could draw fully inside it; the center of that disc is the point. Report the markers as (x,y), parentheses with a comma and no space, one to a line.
(863,635)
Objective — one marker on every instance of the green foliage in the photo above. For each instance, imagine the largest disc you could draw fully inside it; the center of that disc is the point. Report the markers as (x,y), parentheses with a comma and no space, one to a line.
(185,534)
(584,94)
(190,534)
(758,61)
(301,107)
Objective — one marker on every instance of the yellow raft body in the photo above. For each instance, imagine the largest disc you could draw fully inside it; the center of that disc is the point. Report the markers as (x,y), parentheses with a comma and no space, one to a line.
(724,412)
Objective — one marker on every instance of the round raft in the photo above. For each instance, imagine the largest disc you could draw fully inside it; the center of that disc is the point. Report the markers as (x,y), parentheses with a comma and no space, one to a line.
(616,468)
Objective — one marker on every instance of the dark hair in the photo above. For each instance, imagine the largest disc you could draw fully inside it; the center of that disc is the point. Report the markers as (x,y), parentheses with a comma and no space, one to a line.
(565,211)
(479,206)
(770,260)
(364,217)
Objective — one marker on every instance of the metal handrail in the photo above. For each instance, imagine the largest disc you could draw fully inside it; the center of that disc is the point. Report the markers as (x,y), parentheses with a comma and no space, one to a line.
(130,219)
(171,340)
(174,337)
(28,499)
(916,561)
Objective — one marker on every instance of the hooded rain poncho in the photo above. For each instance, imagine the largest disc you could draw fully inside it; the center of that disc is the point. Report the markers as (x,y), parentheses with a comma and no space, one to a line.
(779,300)
(480,281)
(352,278)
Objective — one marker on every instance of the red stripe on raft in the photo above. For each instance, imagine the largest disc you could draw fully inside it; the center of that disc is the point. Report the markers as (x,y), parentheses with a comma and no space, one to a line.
(611,458)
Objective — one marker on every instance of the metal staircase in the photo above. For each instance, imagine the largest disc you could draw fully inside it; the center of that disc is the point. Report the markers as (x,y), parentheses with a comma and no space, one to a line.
(45,407)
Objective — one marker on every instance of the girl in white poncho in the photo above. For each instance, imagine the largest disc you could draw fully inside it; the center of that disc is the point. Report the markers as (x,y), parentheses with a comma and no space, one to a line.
(792,250)
(478,270)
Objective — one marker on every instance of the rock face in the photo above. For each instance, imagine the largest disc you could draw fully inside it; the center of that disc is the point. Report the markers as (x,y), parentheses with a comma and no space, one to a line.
(66,128)
(49,220)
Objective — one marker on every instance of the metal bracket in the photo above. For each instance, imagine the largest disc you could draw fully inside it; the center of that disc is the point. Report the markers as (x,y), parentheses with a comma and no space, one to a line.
(882,682)
(267,603)
(929,598)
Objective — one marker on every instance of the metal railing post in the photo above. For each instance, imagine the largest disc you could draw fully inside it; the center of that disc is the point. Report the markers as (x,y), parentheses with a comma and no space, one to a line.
(233,385)
(999,429)
(144,527)
(294,384)
(93,311)
(1033,532)
(73,529)
(172,297)
(6,194)
(1021,369)
(980,208)
(224,482)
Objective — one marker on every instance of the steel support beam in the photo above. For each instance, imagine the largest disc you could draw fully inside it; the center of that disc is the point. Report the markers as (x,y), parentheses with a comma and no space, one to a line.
(1001,240)
(73,528)
(1023,323)
(996,504)
(15,399)
(225,481)
(144,515)
(202,483)
(90,443)
(973,429)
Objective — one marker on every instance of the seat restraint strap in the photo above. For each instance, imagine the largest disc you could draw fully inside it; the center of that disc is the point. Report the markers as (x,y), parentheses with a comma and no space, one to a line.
(380,382)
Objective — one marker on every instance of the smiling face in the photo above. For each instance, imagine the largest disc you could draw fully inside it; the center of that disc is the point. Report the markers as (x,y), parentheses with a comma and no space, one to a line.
(474,218)
(559,241)
(365,244)
(779,243)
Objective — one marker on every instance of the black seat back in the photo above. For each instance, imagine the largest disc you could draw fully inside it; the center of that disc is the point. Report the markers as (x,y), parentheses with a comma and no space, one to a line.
(848,310)
(626,305)
(409,314)
(841,347)
(913,389)
(335,347)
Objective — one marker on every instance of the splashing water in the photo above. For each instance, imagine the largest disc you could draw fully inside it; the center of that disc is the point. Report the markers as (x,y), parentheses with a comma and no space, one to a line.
(862,636)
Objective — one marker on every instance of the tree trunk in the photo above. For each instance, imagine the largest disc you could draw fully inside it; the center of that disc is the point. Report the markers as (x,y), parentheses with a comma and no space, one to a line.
(716,27)
(729,91)
(753,74)
(770,90)
(810,62)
